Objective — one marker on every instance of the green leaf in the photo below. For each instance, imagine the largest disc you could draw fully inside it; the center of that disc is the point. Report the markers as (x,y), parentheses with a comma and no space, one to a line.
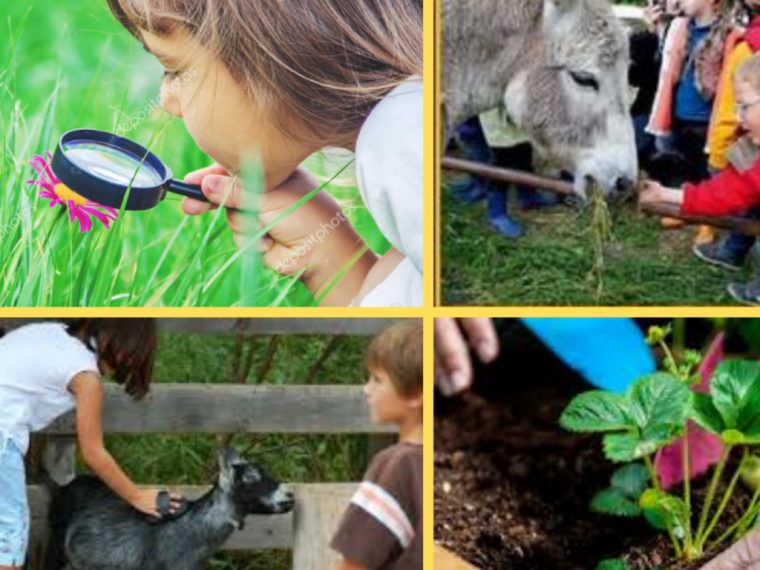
(614,502)
(733,437)
(735,390)
(626,447)
(631,480)
(665,511)
(704,412)
(612,564)
(750,473)
(659,404)
(596,411)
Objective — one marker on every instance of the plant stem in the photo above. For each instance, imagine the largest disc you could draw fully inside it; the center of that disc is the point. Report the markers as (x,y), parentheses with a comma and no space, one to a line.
(656,482)
(711,491)
(652,472)
(748,515)
(726,497)
(687,486)
(669,361)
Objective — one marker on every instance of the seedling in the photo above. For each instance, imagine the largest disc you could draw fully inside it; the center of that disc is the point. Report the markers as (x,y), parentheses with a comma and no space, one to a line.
(652,413)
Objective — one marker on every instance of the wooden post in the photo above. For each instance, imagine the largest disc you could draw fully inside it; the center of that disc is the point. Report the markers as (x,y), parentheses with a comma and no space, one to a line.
(317,514)
(739,225)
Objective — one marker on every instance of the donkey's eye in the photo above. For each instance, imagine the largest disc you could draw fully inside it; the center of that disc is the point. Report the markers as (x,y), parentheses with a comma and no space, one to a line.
(585,79)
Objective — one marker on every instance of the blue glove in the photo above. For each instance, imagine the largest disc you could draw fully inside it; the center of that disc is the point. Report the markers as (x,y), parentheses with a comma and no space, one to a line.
(609,353)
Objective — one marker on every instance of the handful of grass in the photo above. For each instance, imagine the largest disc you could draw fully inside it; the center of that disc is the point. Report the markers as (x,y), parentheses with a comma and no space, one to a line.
(601,232)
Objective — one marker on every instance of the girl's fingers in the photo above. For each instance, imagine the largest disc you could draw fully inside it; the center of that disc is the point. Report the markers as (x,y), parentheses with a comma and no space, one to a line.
(481,336)
(193,207)
(197,176)
(223,190)
(453,355)
(243,223)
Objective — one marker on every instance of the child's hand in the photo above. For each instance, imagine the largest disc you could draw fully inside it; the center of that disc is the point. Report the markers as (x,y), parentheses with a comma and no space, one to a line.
(146,501)
(654,193)
(316,237)
(453,369)
(653,16)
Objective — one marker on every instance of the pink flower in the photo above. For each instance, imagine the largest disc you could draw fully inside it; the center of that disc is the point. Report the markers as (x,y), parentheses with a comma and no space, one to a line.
(79,208)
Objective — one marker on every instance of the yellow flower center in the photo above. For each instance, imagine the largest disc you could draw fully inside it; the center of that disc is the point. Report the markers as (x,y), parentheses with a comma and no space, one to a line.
(67,194)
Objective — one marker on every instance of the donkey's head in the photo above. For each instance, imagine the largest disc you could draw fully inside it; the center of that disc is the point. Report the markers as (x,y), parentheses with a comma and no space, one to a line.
(251,488)
(570,94)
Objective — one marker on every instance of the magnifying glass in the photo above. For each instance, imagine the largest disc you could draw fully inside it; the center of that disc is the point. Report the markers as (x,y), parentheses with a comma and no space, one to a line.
(99,166)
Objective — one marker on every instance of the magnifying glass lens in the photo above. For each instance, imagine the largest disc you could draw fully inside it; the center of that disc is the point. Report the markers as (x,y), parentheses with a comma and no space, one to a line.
(111,164)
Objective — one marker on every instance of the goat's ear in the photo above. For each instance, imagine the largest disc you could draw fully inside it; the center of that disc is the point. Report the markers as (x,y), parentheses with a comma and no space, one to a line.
(225,469)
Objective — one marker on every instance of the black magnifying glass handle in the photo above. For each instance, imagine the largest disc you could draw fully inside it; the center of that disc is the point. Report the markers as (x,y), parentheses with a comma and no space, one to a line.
(185,189)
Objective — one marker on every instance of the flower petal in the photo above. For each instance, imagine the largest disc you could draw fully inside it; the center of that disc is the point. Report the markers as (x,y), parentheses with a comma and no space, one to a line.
(104,217)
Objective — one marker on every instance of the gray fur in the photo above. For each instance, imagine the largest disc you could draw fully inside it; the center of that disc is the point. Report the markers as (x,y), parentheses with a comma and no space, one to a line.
(522,55)
(95,530)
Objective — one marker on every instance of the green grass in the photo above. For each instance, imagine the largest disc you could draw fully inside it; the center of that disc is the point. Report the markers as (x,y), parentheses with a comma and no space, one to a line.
(191,459)
(66,66)
(551,264)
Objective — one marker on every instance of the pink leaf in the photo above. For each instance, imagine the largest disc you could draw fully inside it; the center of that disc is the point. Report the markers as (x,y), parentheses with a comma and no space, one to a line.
(704,452)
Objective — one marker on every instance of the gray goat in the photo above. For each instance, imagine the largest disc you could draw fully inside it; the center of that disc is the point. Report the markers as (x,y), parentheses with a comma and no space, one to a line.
(93,529)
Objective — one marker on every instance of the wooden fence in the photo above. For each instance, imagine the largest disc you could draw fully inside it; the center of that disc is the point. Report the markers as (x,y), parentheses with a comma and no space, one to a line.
(233,409)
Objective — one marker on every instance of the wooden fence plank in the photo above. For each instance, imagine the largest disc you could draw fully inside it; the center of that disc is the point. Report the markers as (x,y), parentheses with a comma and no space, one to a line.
(224,408)
(258,326)
(348,326)
(317,514)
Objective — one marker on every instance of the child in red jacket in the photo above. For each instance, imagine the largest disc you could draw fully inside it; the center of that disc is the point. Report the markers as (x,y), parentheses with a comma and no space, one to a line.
(737,188)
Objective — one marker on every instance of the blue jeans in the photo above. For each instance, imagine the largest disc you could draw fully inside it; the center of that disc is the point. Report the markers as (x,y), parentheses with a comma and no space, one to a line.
(14,510)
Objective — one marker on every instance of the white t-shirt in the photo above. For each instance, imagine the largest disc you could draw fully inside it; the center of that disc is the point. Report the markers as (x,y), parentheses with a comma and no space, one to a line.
(37,363)
(389,176)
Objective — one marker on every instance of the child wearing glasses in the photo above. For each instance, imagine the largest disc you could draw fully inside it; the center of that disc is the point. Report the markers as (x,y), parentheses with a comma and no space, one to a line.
(735,189)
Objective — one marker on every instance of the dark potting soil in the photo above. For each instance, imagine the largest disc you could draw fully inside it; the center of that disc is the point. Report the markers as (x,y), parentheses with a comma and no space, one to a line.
(512,488)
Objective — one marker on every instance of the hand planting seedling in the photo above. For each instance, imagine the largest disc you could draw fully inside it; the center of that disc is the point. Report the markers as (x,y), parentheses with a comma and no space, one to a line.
(652,413)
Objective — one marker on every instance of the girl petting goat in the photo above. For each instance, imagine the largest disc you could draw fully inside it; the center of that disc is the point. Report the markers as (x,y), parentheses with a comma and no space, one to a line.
(93,529)
(48,369)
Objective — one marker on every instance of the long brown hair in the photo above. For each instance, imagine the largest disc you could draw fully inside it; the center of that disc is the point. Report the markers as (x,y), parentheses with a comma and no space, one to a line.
(127,346)
(319,64)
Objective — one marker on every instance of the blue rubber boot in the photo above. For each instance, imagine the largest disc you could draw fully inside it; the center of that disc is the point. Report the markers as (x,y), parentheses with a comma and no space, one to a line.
(498,215)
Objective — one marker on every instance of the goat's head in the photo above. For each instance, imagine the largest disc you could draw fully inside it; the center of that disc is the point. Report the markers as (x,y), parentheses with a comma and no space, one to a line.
(252,489)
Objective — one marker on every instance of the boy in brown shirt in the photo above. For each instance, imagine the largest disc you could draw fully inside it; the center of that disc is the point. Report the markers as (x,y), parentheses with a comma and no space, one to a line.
(382,527)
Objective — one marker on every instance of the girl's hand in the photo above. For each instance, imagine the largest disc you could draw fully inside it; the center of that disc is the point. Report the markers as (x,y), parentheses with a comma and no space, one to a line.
(146,501)
(453,339)
(315,238)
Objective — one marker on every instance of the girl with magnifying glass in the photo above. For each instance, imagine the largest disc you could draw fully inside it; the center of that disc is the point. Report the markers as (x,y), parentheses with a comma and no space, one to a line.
(279,81)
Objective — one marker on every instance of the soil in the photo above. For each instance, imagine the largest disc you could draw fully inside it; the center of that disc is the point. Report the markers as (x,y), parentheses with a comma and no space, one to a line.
(512,489)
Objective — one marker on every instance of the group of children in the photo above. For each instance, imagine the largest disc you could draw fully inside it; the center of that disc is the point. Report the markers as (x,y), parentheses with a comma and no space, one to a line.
(704,110)
(49,369)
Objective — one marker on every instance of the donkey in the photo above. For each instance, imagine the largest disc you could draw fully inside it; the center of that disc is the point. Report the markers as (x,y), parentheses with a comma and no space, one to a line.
(93,529)
(559,71)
